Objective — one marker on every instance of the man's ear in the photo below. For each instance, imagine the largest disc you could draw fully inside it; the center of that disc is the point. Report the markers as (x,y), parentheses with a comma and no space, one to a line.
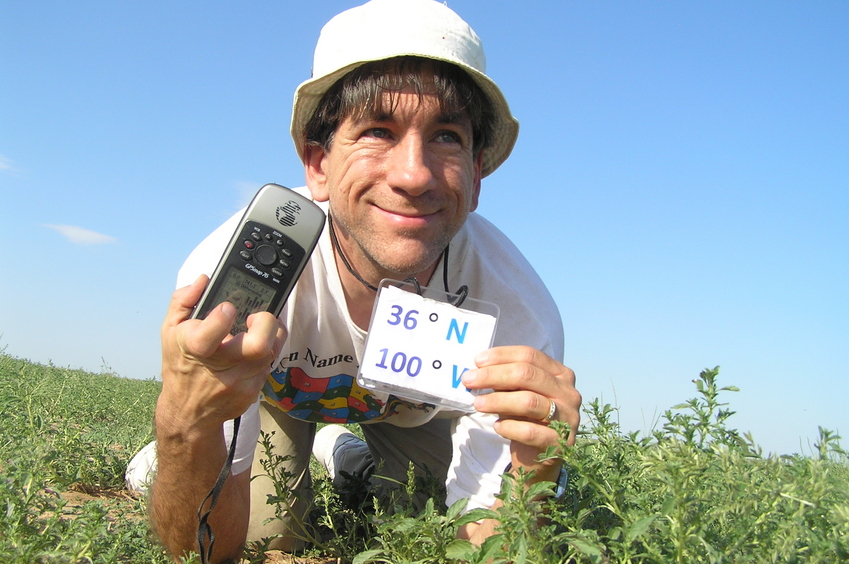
(314,172)
(477,186)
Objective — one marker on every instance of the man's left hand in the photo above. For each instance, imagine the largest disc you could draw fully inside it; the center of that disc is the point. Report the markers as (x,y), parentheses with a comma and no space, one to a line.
(526,383)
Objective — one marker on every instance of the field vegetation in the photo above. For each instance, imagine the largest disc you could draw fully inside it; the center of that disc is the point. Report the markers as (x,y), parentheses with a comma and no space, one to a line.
(694,490)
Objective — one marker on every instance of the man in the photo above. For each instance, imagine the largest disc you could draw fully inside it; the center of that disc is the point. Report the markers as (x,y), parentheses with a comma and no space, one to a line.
(396,129)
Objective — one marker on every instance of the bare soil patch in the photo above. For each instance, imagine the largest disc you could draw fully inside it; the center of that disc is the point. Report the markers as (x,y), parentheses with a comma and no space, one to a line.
(79,494)
(276,557)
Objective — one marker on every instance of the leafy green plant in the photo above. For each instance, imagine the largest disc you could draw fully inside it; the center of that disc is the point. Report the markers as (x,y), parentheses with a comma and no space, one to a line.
(335,527)
(693,490)
(429,537)
(698,492)
(66,432)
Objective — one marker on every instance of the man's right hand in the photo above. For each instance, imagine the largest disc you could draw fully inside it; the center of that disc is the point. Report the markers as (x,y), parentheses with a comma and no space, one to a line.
(208,375)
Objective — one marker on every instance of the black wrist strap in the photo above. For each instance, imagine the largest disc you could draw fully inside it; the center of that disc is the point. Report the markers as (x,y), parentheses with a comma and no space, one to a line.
(206,538)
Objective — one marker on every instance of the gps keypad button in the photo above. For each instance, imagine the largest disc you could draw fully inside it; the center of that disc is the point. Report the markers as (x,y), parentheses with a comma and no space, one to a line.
(265,255)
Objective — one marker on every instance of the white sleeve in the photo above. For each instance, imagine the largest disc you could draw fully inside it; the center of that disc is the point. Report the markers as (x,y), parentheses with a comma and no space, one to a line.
(246,441)
(204,258)
(480,456)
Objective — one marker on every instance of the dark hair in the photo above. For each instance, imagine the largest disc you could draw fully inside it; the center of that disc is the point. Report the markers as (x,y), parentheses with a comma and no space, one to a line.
(360,93)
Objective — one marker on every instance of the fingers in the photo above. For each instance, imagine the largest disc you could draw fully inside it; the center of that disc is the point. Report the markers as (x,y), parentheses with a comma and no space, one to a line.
(209,375)
(262,342)
(540,437)
(210,343)
(518,367)
(205,337)
(530,408)
(514,424)
(526,383)
(183,301)
(200,338)
(517,404)
(190,345)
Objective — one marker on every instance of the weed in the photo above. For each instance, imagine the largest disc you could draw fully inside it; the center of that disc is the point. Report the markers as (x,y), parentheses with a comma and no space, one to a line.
(66,429)
(693,490)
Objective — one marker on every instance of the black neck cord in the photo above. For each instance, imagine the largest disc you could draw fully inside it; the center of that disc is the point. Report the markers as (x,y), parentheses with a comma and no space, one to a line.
(342,256)
(463,292)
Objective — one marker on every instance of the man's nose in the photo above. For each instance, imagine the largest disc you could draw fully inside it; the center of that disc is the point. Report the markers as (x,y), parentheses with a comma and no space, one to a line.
(408,166)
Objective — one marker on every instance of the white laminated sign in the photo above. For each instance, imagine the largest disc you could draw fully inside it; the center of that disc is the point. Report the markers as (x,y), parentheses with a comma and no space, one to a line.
(419,346)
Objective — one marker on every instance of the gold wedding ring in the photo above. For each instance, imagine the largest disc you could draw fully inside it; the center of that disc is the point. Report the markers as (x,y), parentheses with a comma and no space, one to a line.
(551,411)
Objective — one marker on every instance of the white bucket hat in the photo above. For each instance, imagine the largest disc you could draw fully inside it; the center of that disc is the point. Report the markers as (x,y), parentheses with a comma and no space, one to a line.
(382,29)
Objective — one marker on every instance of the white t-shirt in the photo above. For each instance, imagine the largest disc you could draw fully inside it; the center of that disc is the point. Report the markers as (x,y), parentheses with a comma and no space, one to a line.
(314,377)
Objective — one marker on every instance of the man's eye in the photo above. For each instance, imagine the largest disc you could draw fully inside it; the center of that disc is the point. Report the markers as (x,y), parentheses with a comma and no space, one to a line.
(377,133)
(448,137)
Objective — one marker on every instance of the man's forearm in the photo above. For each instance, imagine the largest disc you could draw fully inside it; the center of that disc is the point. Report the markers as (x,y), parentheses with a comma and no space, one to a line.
(188,465)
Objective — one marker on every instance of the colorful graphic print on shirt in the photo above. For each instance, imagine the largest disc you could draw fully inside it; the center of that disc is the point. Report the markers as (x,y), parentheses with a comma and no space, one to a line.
(338,399)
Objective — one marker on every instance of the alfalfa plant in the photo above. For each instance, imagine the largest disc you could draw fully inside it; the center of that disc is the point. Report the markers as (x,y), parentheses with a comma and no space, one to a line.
(694,490)
(60,431)
(699,492)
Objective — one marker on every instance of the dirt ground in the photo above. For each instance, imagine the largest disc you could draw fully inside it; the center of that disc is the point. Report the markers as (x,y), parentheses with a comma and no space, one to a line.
(77,496)
(275,557)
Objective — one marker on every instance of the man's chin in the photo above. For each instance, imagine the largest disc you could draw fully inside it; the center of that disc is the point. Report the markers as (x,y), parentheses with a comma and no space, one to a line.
(415,264)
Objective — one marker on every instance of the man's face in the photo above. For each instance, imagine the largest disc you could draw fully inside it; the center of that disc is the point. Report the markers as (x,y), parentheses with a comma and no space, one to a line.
(400,185)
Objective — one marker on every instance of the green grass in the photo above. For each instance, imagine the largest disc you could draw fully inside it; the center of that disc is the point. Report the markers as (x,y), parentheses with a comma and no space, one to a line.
(67,436)
(695,490)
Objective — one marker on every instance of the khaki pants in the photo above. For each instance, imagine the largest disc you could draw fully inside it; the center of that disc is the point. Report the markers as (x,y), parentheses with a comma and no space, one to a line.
(390,449)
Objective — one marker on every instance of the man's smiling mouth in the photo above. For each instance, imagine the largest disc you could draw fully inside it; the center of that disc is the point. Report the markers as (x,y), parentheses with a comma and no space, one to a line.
(409,215)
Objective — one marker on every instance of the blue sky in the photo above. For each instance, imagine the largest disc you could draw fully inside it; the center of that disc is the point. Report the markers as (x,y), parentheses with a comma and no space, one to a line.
(681,182)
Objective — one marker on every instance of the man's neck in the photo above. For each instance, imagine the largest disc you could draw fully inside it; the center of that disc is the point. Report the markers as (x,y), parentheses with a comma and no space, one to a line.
(360,298)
